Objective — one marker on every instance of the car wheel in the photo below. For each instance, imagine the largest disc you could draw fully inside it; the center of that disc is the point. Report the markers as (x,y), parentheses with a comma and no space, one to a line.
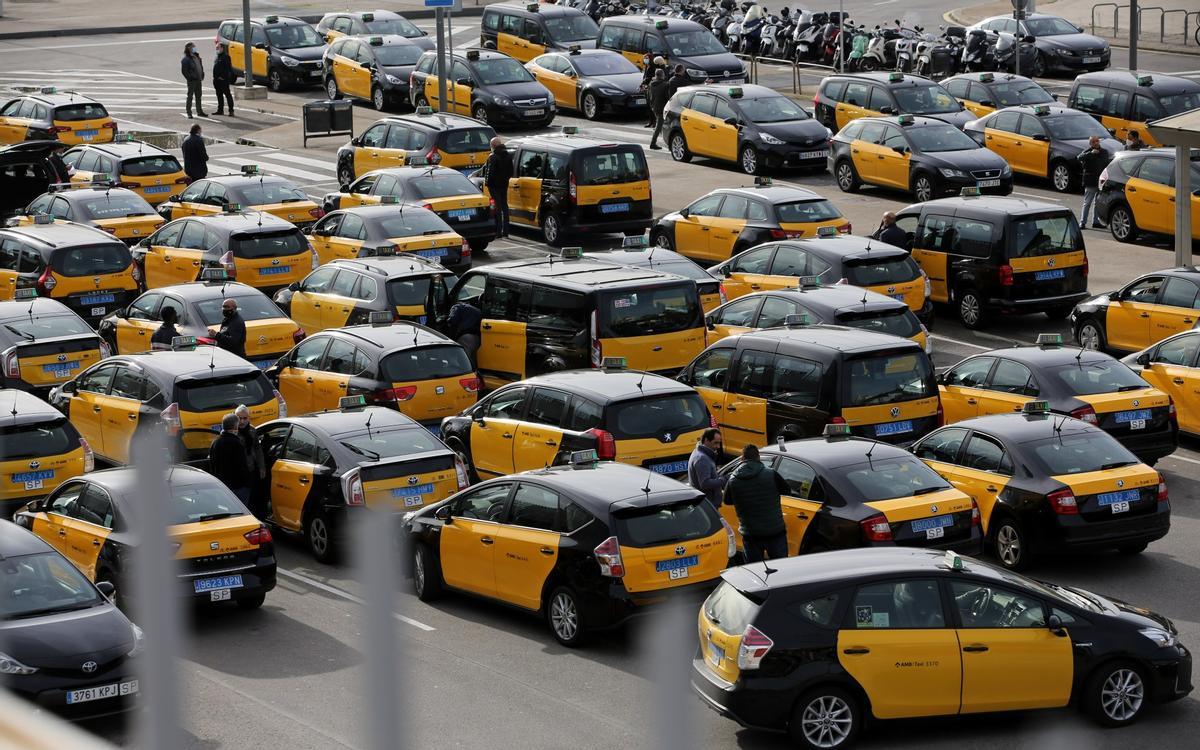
(1090,335)
(661,239)
(345,175)
(1039,66)
(331,89)
(679,149)
(378,98)
(1010,544)
(427,574)
(589,106)
(827,718)
(1133,548)
(1121,224)
(1061,177)
(564,617)
(923,189)
(847,180)
(552,229)
(479,112)
(319,536)
(749,160)
(275,79)
(970,309)
(252,602)
(1115,695)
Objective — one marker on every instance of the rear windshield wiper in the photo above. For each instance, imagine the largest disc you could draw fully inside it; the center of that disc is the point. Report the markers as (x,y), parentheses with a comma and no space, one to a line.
(1134,387)
(26,336)
(1116,465)
(362,451)
(216,516)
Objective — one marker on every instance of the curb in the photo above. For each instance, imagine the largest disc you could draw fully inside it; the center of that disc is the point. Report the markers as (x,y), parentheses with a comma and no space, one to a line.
(419,14)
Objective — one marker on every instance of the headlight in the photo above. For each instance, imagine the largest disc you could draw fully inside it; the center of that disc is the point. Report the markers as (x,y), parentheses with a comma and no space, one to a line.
(769,139)
(139,642)
(393,79)
(1006,170)
(9,665)
(610,92)
(949,172)
(291,62)
(828,133)
(1161,638)
(700,74)
(502,101)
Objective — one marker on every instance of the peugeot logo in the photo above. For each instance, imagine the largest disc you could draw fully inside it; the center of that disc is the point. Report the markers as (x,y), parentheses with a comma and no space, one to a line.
(1136,402)
(680,550)
(89,666)
(895,411)
(1050,262)
(214,546)
(414,479)
(63,358)
(1120,482)
(668,437)
(34,464)
(725,72)
(933,509)
(274,261)
(262,339)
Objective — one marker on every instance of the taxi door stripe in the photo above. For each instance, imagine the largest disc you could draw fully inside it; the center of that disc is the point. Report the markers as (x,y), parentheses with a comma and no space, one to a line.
(348,597)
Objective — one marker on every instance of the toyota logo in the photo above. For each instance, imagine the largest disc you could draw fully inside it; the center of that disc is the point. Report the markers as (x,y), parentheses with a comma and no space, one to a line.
(274,261)
(63,358)
(1120,482)
(895,411)
(680,550)
(1136,402)
(1050,262)
(262,339)
(34,464)
(414,479)
(89,666)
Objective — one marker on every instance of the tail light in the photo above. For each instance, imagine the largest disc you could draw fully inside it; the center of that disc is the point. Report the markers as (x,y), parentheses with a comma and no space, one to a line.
(572,191)
(12,365)
(46,281)
(404,393)
(1162,489)
(227,262)
(460,473)
(261,535)
(206,341)
(1006,275)
(89,456)
(1102,179)
(941,415)
(755,645)
(491,203)
(730,537)
(427,206)
(466,249)
(606,444)
(170,419)
(597,349)
(314,259)
(1085,267)
(721,291)
(1087,414)
(608,554)
(281,404)
(928,285)
(837,420)
(298,335)
(105,349)
(778,234)
(470,385)
(844,229)
(876,528)
(352,489)
(110,125)
(54,129)
(976,520)
(1174,417)
(1063,502)
(434,156)
(316,212)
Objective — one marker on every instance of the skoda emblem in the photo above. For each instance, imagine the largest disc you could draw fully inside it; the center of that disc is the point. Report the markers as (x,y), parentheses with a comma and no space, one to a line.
(1120,482)
(1136,402)
(89,666)
(274,261)
(414,479)
(214,546)
(63,358)
(933,509)
(34,464)
(895,411)
(1050,262)
(262,339)
(680,550)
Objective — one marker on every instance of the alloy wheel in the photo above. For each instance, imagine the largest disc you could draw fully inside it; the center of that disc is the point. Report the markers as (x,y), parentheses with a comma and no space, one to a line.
(331,89)
(1089,337)
(564,616)
(378,99)
(1122,695)
(845,177)
(1008,545)
(590,107)
(318,536)
(419,572)
(923,190)
(749,160)
(678,149)
(827,721)
(1062,178)
(968,309)
(1120,224)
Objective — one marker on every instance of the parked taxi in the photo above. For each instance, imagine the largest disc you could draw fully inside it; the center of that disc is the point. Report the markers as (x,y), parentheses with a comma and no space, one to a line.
(1171,366)
(387,229)
(1146,310)
(592,81)
(1128,101)
(364,23)
(251,190)
(1138,194)
(843,97)
(442,138)
(485,85)
(39,450)
(373,68)
(43,343)
(984,93)
(284,51)
(48,114)
(147,170)
(526,30)
(122,213)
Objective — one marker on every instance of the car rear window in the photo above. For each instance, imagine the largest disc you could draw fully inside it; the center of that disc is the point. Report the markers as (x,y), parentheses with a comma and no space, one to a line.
(799,212)
(148,166)
(611,167)
(444,184)
(466,140)
(268,244)
(81,111)
(889,379)
(656,415)
(44,327)
(666,524)
(899,322)
(645,312)
(1080,453)
(414,290)
(886,269)
(266,192)
(411,224)
(50,438)
(91,260)
(211,394)
(115,206)
(888,478)
(425,363)
(378,444)
(1090,378)
(1035,236)
(203,502)
(729,609)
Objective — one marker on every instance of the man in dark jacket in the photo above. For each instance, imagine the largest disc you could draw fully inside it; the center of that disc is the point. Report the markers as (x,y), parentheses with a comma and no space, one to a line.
(755,492)
(222,78)
(1092,162)
(890,233)
(195,155)
(653,65)
(227,459)
(499,171)
(677,81)
(702,466)
(462,325)
(161,339)
(193,73)
(658,96)
(232,334)
(255,463)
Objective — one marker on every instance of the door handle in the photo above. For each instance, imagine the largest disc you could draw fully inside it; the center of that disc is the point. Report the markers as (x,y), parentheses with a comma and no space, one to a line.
(1018,143)
(856,651)
(62,532)
(342,386)
(991,488)
(704,228)
(317,305)
(754,286)
(487,326)
(733,408)
(95,542)
(1131,189)
(1177,381)
(802,516)
(302,480)
(988,138)
(96,409)
(546,551)
(977,648)
(1144,315)
(551,443)
(715,406)
(507,435)
(132,416)
(308,380)
(487,540)
(972,401)
(1187,320)
(167,258)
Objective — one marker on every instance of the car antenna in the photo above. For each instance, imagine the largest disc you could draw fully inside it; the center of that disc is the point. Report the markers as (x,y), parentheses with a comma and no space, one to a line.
(212,357)
(870,451)
(639,383)
(646,489)
(368,425)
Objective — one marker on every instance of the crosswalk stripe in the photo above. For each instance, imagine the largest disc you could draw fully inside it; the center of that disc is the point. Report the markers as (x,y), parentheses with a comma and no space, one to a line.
(304,160)
(272,167)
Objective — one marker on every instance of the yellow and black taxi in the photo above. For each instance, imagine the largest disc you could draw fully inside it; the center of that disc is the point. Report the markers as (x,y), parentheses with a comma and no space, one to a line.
(323,468)
(1087,385)
(251,190)
(984,93)
(1143,312)
(1044,140)
(568,313)
(586,546)
(82,267)
(680,41)
(121,212)
(752,126)
(404,366)
(1138,194)
(792,380)
(626,416)
(1170,366)
(990,254)
(43,343)
(48,114)
(1127,101)
(39,450)
(853,492)
(817,647)
(386,229)
(566,183)
(182,393)
(844,97)
(365,23)
(269,333)
(444,190)
(284,51)
(147,170)
(1045,482)
(718,226)
(445,139)
(344,292)
(635,251)
(831,304)
(486,85)
(593,81)
(255,248)
(830,258)
(526,30)
(223,552)
(371,68)
(920,155)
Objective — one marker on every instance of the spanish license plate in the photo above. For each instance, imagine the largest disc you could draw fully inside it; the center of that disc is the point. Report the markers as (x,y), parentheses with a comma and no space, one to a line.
(716,654)
(115,690)
(274,270)
(96,299)
(263,364)
(534,112)
(205,585)
(314,74)
(673,467)
(1057,273)
(676,563)
(157,189)
(935,524)
(893,428)
(98,311)
(33,480)
(815,154)
(899,297)
(434,252)
(1091,60)
(412,496)
(613,208)
(60,369)
(87,134)
(1138,415)
(987,183)
(461,214)
(639,101)
(1115,499)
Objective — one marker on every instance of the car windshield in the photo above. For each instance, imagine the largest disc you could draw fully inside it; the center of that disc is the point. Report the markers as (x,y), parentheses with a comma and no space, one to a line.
(889,379)
(267,191)
(666,524)
(42,584)
(1049,27)
(224,393)
(38,439)
(396,26)
(379,444)
(81,111)
(603,65)
(48,326)
(442,184)
(885,269)
(803,212)
(269,245)
(572,28)
(646,312)
(409,224)
(149,166)
(889,478)
(693,43)
(1079,452)
(1021,92)
(659,415)
(611,167)
(935,138)
(500,71)
(1045,235)
(1090,378)
(250,307)
(899,322)
(395,55)
(91,260)
(425,363)
(771,109)
(293,36)
(413,291)
(925,100)
(195,503)
(1176,103)
(114,205)
(1073,127)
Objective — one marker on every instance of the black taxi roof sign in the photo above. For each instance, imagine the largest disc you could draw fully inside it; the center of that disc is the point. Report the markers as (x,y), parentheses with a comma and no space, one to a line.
(388,200)
(43,219)
(827,231)
(251,169)
(572,253)
(661,24)
(26,293)
(179,343)
(368,17)
(376,41)
(380,318)
(347,403)
(574,49)
(636,242)
(424,111)
(48,90)
(417,160)
(585,458)
(761,181)
(796,320)
(987,77)
(472,54)
(1041,110)
(810,282)
(614,363)
(531,7)
(214,273)
(906,120)
(233,208)
(1145,80)
(835,431)
(1038,407)
(385,251)
(1050,340)
(895,77)
(970,192)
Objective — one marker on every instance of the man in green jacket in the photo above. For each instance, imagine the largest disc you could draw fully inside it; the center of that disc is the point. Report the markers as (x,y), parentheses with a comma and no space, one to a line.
(754,491)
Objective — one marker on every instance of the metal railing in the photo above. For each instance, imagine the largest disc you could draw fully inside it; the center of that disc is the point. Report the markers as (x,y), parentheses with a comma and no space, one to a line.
(1116,12)
(798,69)
(1187,34)
(1162,19)
(1162,14)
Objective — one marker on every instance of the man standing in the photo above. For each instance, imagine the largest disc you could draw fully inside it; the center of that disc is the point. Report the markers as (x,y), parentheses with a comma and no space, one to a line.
(652,67)
(232,334)
(657,96)
(499,172)
(677,81)
(702,466)
(754,492)
(227,459)
(890,233)
(256,466)
(161,339)
(1092,161)
(222,78)
(195,155)
(193,73)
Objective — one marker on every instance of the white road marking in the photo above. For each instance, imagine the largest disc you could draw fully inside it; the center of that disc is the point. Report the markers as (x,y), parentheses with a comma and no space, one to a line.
(956,342)
(290,171)
(38,47)
(348,597)
(286,156)
(1035,196)
(1183,458)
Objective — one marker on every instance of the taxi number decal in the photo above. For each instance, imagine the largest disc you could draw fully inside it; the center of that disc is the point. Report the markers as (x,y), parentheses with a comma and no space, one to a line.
(679,563)
(893,428)
(866,617)
(274,270)
(97,311)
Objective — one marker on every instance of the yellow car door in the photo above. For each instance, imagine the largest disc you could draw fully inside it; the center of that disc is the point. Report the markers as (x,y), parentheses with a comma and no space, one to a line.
(466,548)
(695,127)
(296,374)
(15,118)
(291,477)
(708,374)
(556,74)
(501,351)
(962,386)
(538,438)
(49,525)
(724,131)
(459,92)
(732,318)
(1030,147)
(85,408)
(745,404)
(1127,317)
(138,324)
(368,148)
(726,227)
(893,157)
(526,548)
(1176,309)
(494,430)
(748,273)
(1010,387)
(802,505)
(120,413)
(358,72)
(307,306)
(1173,369)
(88,527)
(1151,197)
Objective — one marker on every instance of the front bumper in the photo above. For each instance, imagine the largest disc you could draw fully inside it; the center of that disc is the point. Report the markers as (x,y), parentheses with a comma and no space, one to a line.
(791,155)
(610,605)
(1171,678)
(47,689)
(515,115)
(1075,63)
(953,186)
(302,75)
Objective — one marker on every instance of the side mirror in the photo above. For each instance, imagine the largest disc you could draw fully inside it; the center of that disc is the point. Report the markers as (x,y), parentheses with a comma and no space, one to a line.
(886,110)
(294,286)
(174,198)
(710,324)
(106,588)
(260,45)
(443,513)
(1143,359)
(726,272)
(322,232)
(464,82)
(684,212)
(1056,97)
(478,419)
(940,378)
(67,387)
(36,506)
(900,149)
(1112,131)
(120,312)
(1028,39)
(731,121)
(1039,137)
(987,103)
(1055,625)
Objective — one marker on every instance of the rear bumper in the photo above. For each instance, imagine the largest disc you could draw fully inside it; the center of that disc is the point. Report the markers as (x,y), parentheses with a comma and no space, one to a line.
(972,545)
(753,709)
(1077,534)
(255,581)
(612,605)
(611,227)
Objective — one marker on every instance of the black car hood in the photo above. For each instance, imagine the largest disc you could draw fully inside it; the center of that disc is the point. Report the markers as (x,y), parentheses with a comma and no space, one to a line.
(629,83)
(400,71)
(304,54)
(424,42)
(1074,42)
(67,640)
(719,65)
(975,158)
(522,90)
(1077,145)
(957,119)
(797,132)
(1142,618)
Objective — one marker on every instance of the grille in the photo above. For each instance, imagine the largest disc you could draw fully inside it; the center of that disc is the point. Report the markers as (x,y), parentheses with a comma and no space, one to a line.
(530,102)
(983,174)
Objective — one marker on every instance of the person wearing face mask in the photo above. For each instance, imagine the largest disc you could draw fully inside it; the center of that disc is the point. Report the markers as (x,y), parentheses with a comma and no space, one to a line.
(231,336)
(193,73)
(254,461)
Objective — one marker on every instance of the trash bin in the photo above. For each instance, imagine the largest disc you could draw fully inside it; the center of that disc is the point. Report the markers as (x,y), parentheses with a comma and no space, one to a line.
(327,117)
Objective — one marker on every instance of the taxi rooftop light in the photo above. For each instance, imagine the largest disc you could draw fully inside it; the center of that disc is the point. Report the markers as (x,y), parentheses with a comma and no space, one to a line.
(472,54)
(969,192)
(1145,80)
(661,24)
(422,112)
(735,92)
(570,129)
(48,90)
(26,293)
(636,242)
(572,253)
(376,41)
(214,273)
(613,363)
(1040,406)
(249,169)
(388,200)
(1041,110)
(43,219)
(796,320)
(906,120)
(836,431)
(532,7)
(896,77)
(417,160)
(102,178)
(368,17)
(763,182)
(380,318)
(345,403)
(574,49)
(986,77)
(827,231)
(233,208)
(272,19)
(810,282)
(122,138)
(1050,340)
(585,458)
(179,343)
(385,251)
(953,561)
